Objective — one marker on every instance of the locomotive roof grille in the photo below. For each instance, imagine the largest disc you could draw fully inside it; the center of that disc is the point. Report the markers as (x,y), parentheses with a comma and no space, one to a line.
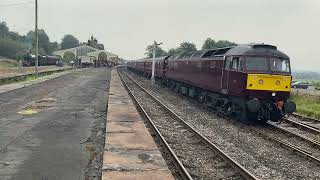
(264,46)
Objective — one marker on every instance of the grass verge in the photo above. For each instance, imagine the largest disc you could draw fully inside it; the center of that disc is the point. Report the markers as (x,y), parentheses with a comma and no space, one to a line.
(307,105)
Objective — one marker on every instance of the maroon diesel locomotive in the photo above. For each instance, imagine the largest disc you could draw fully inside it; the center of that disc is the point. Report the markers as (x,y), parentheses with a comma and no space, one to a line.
(249,82)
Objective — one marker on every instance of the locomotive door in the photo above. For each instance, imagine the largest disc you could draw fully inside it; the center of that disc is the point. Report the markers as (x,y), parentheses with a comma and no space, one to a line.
(226,75)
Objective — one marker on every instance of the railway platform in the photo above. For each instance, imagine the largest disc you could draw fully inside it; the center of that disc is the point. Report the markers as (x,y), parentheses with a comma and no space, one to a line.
(130,151)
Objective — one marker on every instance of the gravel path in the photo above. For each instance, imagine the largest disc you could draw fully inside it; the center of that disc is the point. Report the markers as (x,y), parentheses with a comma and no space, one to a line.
(261,157)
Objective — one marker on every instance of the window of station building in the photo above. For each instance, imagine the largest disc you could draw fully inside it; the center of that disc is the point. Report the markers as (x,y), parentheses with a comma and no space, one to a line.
(236,63)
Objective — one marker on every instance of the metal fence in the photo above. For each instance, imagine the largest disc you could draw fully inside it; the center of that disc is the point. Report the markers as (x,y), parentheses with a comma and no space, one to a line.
(310,92)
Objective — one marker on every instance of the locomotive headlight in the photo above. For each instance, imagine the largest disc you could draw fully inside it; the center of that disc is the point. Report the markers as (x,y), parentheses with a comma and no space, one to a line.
(278,82)
(273,94)
(261,81)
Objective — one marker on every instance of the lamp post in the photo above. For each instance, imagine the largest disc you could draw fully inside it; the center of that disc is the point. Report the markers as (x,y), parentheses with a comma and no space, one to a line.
(37,38)
(155,45)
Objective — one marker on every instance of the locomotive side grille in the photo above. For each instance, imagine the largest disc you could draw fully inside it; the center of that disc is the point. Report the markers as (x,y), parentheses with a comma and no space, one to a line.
(268,82)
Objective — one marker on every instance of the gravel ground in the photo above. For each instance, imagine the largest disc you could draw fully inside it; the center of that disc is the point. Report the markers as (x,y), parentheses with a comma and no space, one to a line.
(199,160)
(261,157)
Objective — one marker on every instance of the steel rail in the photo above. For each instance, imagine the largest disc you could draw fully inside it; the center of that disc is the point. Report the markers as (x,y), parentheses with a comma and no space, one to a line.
(178,164)
(299,151)
(235,165)
(306,117)
(302,125)
(304,138)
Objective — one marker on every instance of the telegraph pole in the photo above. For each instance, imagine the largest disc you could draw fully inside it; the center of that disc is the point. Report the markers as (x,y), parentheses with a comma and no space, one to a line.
(37,38)
(155,45)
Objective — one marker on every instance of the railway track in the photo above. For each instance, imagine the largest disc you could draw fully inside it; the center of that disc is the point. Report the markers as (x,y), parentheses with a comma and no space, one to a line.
(301,127)
(303,122)
(309,151)
(193,154)
(312,142)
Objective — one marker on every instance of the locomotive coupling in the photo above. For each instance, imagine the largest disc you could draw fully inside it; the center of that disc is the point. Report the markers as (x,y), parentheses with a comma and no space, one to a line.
(253,105)
(290,107)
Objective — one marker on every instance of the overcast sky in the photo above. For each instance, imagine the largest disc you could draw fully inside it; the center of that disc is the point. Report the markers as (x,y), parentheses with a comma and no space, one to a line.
(126,27)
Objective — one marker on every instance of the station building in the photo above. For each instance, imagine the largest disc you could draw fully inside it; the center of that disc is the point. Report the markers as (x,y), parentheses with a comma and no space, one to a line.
(89,53)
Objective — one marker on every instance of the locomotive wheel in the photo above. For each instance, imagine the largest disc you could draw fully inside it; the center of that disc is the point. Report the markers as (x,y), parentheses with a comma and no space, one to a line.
(201,98)
(242,116)
(228,109)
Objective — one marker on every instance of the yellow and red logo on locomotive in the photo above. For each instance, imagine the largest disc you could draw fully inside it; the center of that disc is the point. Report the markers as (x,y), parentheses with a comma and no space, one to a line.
(269,82)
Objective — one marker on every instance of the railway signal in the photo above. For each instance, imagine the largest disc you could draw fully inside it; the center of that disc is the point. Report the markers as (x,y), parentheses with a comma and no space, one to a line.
(155,45)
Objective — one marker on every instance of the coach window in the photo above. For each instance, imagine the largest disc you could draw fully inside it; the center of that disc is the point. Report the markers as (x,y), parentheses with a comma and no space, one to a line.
(236,64)
(227,63)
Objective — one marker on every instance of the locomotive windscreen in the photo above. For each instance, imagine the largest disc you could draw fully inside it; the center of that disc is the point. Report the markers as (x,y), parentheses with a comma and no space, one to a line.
(265,64)
(257,63)
(279,65)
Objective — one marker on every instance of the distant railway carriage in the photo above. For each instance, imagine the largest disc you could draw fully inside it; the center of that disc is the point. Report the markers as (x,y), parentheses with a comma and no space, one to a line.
(250,82)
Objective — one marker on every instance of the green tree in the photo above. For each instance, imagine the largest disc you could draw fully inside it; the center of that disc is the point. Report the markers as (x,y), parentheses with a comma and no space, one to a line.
(186,47)
(174,51)
(69,41)
(3,29)
(212,44)
(159,51)
(45,46)
(9,48)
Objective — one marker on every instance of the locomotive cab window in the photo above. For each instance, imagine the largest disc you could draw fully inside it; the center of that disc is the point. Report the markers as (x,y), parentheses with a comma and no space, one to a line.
(236,63)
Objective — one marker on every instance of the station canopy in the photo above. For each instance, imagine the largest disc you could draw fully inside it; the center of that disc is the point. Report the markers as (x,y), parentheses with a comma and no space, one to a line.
(77,51)
(96,54)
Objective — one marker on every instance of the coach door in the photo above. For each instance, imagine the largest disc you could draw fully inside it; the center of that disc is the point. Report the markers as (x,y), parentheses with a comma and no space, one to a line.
(226,75)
